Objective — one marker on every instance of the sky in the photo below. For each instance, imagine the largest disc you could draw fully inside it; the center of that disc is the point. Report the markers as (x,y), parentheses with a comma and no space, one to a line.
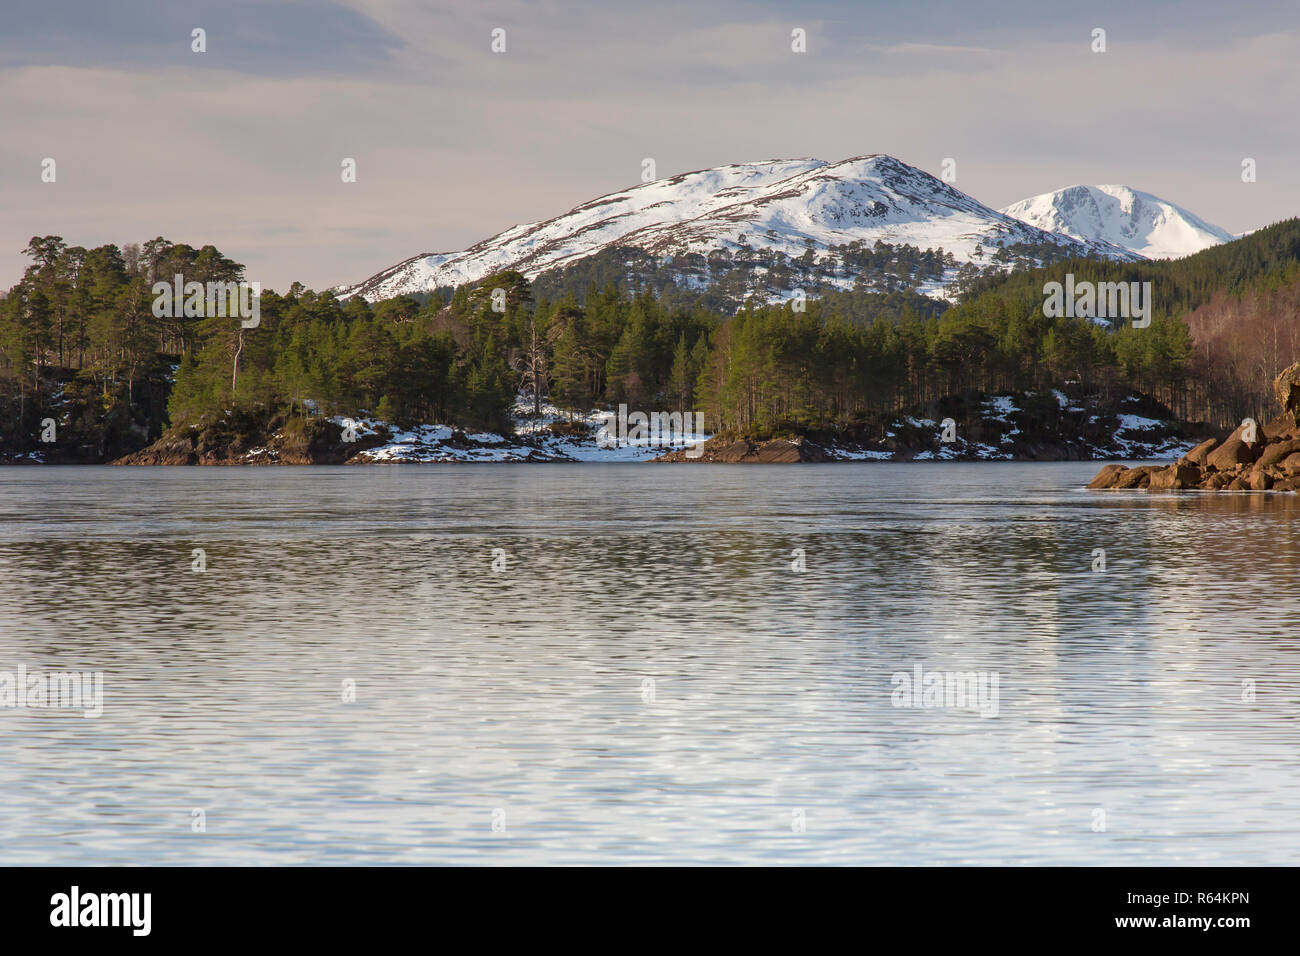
(242,145)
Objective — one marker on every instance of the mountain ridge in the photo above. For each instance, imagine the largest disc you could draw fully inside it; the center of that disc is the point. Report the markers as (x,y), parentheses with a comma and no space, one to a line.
(774,208)
(1138,221)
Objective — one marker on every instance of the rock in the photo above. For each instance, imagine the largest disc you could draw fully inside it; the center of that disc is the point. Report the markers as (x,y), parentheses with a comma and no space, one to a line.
(1107,477)
(1216,482)
(1288,484)
(733,452)
(1234,451)
(778,451)
(168,450)
(784,452)
(1238,484)
(1278,450)
(1290,465)
(1281,428)
(1176,476)
(1138,477)
(316,442)
(1287,389)
(1265,475)
(1163,478)
(1198,454)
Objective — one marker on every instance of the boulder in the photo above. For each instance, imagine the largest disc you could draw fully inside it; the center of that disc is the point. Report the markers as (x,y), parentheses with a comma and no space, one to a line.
(1107,477)
(1235,451)
(1238,484)
(1138,477)
(1278,450)
(1273,473)
(1229,455)
(1198,454)
(1290,465)
(1260,480)
(1162,478)
(1288,484)
(1176,476)
(1287,389)
(1281,428)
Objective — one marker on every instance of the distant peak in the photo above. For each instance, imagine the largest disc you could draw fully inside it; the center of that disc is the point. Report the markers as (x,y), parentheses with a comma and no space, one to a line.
(776,210)
(1130,218)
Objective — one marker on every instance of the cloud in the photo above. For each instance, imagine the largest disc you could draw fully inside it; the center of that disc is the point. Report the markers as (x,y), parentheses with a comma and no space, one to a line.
(933,49)
(285,37)
(454,143)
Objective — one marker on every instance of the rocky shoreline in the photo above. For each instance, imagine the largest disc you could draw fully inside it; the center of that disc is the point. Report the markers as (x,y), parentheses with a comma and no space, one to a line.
(778,451)
(1253,458)
(1027,426)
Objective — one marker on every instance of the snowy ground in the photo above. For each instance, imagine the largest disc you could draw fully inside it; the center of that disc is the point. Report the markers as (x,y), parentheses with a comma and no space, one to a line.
(533,441)
(786,206)
(1134,437)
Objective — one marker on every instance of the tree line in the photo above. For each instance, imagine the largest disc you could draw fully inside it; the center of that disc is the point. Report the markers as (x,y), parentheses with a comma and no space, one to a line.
(79,339)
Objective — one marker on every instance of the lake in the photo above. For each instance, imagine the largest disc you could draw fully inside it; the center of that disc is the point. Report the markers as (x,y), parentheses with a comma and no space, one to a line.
(603,663)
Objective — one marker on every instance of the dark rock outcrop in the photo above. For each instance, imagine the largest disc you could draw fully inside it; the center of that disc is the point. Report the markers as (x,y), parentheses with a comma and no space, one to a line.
(779,451)
(317,442)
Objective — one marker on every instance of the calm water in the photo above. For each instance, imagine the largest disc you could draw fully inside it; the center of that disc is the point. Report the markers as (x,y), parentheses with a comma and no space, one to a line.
(648,680)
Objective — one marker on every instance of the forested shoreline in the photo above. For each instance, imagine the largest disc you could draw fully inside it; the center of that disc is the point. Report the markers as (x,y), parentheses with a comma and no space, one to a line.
(80,345)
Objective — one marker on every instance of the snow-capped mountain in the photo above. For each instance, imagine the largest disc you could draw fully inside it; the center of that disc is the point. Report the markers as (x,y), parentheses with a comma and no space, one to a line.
(779,206)
(1139,222)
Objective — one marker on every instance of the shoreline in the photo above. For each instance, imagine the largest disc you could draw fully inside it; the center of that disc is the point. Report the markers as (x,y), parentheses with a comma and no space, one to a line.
(1253,457)
(1031,426)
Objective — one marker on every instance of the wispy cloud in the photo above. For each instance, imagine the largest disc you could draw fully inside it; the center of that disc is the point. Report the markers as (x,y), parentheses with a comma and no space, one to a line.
(242,146)
(282,38)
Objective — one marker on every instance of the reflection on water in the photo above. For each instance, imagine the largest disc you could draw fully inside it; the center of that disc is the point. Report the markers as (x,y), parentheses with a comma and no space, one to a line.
(648,679)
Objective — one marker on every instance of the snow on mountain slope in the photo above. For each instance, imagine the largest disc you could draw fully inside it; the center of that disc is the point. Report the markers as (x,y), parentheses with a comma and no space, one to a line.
(779,205)
(1137,221)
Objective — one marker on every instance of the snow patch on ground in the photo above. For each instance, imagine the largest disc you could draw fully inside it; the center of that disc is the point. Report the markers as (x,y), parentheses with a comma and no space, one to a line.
(999,407)
(583,437)
(533,440)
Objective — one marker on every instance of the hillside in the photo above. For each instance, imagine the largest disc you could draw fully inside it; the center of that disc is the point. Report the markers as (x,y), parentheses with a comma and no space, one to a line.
(1225,322)
(1145,225)
(80,348)
(783,224)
